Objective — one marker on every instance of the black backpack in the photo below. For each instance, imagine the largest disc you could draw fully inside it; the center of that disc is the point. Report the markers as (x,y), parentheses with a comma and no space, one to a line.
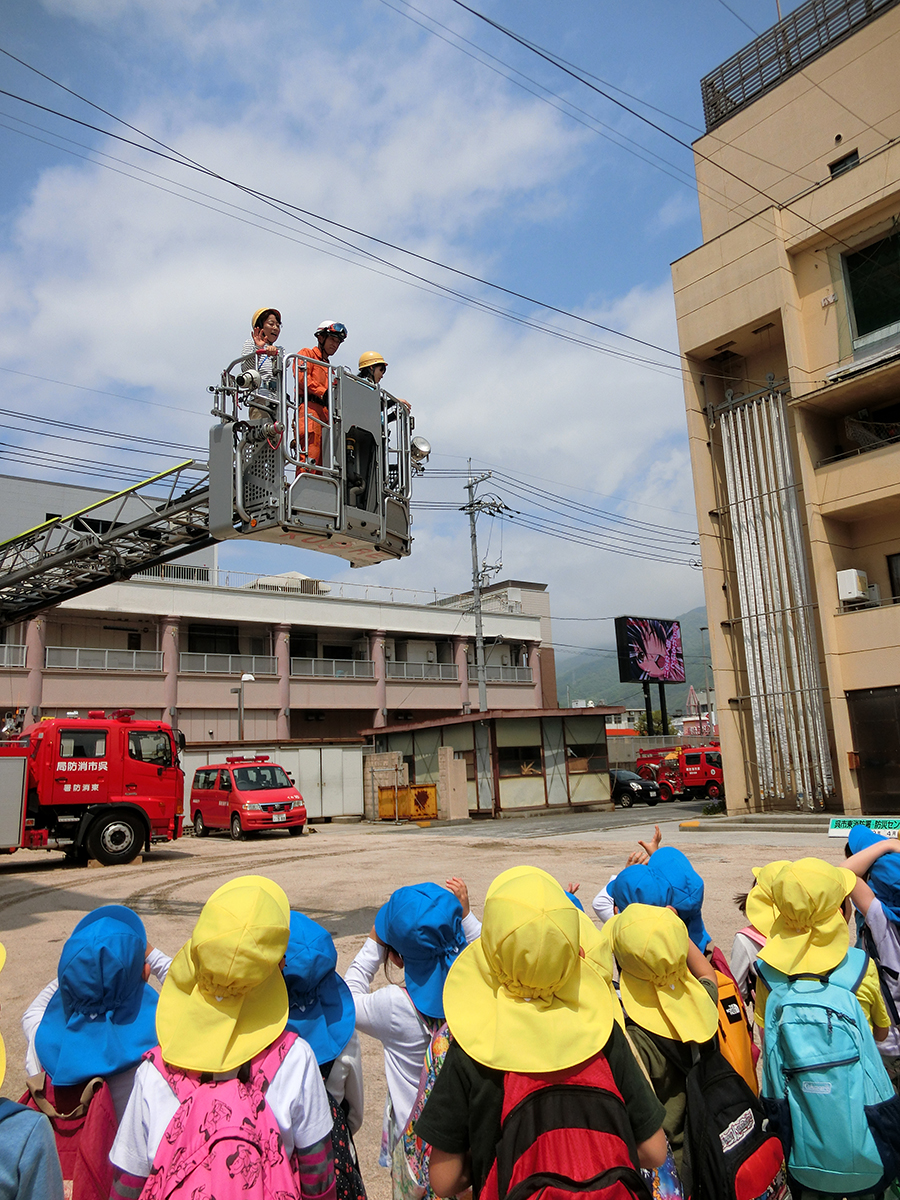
(729,1152)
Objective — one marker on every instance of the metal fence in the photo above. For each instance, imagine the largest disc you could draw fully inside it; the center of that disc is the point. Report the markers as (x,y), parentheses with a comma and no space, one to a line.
(333,668)
(787,47)
(12,656)
(503,675)
(79,658)
(228,664)
(439,672)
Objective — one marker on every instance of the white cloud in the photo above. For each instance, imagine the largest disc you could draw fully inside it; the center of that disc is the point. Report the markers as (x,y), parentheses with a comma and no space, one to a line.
(129,289)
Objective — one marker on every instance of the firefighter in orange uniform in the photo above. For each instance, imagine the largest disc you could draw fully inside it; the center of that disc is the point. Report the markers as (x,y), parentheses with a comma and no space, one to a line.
(314,412)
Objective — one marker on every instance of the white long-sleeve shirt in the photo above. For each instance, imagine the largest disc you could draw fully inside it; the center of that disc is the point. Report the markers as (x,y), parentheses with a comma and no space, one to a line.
(390,1015)
(345,1082)
(119,1085)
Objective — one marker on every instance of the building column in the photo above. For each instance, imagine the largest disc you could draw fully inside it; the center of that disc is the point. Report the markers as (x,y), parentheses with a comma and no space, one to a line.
(171,663)
(376,653)
(35,632)
(283,656)
(534,661)
(460,648)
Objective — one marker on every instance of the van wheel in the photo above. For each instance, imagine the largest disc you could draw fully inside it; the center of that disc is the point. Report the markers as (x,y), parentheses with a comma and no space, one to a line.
(237,832)
(295,830)
(115,839)
(200,829)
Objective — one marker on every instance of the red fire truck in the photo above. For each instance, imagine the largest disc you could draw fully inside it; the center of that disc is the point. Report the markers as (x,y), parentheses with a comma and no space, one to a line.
(684,772)
(97,787)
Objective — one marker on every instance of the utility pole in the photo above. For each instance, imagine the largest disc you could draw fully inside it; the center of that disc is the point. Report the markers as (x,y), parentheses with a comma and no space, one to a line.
(489,504)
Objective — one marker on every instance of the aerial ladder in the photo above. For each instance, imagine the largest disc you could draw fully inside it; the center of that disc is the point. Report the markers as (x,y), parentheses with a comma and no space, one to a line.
(339,482)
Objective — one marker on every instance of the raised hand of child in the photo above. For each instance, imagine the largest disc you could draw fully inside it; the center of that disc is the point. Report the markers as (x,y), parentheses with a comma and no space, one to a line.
(653,845)
(571,888)
(461,892)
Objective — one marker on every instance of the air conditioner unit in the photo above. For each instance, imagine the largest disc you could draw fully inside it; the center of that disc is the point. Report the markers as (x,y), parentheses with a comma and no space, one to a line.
(853,586)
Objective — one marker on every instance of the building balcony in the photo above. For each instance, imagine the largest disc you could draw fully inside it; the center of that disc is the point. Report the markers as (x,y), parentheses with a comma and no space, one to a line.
(228,664)
(332,668)
(12,656)
(80,658)
(503,675)
(433,672)
(862,485)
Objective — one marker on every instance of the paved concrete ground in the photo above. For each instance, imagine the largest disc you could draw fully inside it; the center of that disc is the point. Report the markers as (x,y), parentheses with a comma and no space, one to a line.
(340,876)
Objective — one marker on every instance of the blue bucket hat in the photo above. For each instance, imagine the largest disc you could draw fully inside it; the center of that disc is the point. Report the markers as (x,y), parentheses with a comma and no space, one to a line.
(575,900)
(884,875)
(685,890)
(103,1017)
(321,1011)
(423,923)
(639,885)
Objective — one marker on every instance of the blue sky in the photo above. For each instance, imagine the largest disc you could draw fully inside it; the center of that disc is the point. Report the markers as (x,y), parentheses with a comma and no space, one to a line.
(361,115)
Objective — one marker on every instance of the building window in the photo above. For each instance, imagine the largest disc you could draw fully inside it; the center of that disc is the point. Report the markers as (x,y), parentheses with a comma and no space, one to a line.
(893,564)
(519,760)
(847,163)
(873,279)
(213,639)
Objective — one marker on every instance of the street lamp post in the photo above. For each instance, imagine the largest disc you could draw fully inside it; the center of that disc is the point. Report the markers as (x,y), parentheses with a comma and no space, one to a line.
(239,692)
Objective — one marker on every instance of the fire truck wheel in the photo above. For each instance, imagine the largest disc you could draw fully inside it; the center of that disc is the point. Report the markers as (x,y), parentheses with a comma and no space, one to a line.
(665,793)
(237,833)
(713,791)
(200,829)
(115,839)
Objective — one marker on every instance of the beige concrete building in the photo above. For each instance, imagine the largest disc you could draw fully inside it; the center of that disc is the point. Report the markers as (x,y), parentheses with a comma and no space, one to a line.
(789,318)
(327,659)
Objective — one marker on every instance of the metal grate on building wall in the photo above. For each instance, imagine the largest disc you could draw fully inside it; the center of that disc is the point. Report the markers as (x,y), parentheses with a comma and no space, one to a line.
(791,758)
(787,47)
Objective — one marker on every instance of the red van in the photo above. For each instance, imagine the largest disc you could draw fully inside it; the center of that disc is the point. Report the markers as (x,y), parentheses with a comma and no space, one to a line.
(244,795)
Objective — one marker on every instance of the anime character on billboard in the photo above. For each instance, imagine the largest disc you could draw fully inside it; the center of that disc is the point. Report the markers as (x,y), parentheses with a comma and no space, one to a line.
(654,650)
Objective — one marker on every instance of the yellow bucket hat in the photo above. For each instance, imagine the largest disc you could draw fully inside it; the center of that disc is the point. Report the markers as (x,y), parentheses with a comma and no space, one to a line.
(594,942)
(2,1046)
(521,997)
(658,991)
(760,907)
(809,935)
(224,999)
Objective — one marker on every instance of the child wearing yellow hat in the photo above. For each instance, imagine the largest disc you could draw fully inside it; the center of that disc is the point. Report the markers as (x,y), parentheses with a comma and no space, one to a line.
(221,1022)
(809,935)
(29,1164)
(757,907)
(669,992)
(528,1010)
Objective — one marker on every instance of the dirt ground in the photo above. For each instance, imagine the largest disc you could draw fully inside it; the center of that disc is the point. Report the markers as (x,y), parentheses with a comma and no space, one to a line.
(339,877)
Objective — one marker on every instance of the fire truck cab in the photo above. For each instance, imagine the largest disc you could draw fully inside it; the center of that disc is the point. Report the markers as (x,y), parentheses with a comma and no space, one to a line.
(97,787)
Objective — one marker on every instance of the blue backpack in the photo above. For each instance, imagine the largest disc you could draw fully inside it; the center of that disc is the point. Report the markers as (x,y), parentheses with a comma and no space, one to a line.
(825,1088)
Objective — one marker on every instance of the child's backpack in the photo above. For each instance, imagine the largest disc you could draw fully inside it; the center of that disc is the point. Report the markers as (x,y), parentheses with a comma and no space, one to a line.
(824,1085)
(224,1139)
(729,1151)
(84,1126)
(564,1133)
(416,1152)
(735,1040)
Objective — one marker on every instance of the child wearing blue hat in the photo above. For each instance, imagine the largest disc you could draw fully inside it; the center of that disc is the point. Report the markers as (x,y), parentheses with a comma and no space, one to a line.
(322,1012)
(29,1166)
(422,929)
(876,894)
(97,1018)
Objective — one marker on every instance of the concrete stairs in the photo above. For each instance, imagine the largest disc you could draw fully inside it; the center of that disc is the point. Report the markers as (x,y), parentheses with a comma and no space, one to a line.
(776,822)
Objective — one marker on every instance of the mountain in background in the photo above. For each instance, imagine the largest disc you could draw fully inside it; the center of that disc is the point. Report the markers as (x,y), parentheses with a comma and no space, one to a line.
(594,675)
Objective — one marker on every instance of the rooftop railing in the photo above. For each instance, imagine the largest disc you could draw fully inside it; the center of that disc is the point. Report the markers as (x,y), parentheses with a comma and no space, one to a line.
(787,47)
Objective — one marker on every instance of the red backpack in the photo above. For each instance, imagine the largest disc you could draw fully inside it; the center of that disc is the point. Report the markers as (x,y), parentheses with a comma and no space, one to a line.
(84,1126)
(563,1133)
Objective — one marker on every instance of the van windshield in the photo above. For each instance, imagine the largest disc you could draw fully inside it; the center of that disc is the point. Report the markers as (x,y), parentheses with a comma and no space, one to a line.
(260,779)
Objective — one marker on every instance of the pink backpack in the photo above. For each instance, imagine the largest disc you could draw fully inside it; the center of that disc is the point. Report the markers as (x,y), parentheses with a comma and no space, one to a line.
(224,1139)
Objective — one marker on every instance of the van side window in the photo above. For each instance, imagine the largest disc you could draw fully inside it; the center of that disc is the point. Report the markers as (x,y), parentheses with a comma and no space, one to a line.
(225,781)
(82,743)
(204,780)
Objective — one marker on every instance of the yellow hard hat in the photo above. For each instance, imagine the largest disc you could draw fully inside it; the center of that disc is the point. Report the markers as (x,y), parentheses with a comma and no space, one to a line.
(371,358)
(261,312)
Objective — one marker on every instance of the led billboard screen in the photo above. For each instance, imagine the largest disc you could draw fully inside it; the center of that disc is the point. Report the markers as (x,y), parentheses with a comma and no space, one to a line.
(649,649)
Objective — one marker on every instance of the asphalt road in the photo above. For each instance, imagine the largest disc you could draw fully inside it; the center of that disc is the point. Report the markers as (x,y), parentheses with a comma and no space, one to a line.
(340,876)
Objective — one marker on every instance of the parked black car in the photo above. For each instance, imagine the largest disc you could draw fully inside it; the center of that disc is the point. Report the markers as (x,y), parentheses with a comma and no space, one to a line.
(626,787)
